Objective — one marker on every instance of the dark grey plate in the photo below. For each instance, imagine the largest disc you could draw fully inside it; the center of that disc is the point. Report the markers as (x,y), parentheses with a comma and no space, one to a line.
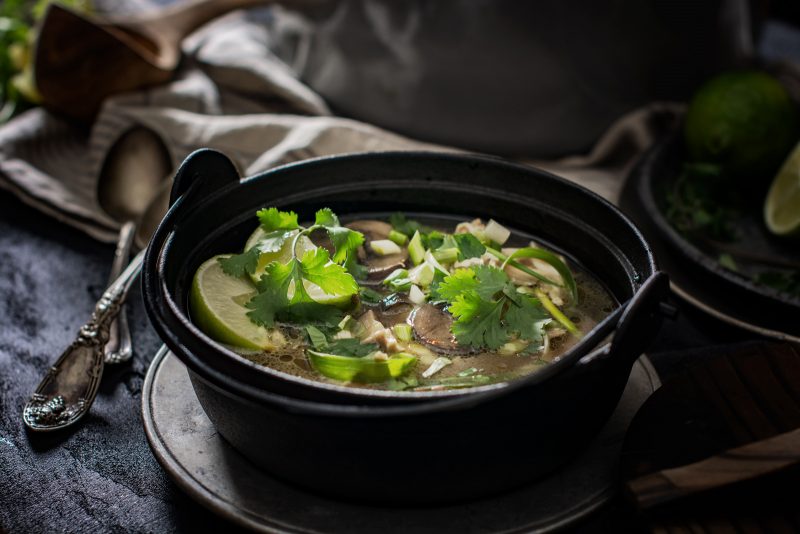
(695,273)
(207,468)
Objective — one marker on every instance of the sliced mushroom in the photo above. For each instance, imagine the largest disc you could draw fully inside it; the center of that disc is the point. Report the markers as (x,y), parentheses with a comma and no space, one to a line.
(393,309)
(378,266)
(432,327)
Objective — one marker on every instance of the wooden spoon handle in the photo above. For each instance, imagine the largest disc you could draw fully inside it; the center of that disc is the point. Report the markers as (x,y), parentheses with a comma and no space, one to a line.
(734,465)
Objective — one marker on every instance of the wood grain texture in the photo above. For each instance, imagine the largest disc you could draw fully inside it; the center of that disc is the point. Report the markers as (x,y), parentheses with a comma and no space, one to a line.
(717,448)
(732,466)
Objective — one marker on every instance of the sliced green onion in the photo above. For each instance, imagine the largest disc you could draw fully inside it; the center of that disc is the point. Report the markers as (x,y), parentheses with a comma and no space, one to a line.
(384,247)
(446,255)
(557,314)
(416,295)
(517,265)
(554,261)
(435,263)
(496,232)
(403,332)
(398,237)
(422,274)
(415,249)
(398,280)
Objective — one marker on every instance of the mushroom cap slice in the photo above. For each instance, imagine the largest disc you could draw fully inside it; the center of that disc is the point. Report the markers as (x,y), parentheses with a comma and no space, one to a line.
(377,266)
(432,327)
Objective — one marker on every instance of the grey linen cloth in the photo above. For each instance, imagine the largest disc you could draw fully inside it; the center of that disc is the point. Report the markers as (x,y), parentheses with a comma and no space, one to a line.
(234,94)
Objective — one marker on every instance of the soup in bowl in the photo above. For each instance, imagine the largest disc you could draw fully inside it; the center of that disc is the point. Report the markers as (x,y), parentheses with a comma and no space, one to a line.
(321,398)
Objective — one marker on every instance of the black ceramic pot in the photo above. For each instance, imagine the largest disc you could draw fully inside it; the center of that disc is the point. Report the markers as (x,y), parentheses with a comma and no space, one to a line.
(393,447)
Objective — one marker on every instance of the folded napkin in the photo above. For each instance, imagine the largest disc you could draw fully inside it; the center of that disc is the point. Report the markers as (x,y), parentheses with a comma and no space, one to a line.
(233,93)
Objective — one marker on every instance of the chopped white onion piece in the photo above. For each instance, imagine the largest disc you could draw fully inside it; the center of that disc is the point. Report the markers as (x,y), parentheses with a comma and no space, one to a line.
(384,247)
(496,232)
(416,295)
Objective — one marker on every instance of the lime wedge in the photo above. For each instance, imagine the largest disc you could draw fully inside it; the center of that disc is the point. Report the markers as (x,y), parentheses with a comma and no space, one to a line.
(283,256)
(216,304)
(782,206)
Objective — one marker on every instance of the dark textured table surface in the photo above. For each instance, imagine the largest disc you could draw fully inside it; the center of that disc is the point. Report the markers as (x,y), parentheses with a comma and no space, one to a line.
(101,476)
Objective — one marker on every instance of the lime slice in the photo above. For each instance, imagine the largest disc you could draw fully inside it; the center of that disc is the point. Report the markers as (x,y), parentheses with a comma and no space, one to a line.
(366,369)
(283,256)
(782,206)
(216,304)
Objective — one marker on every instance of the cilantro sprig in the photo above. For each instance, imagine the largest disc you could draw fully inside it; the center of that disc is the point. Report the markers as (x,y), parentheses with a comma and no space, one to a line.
(489,311)
(350,347)
(282,289)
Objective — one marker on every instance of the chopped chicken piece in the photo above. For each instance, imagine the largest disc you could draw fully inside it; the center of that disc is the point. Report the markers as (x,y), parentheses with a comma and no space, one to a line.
(486,259)
(555,293)
(385,338)
(476,226)
(375,332)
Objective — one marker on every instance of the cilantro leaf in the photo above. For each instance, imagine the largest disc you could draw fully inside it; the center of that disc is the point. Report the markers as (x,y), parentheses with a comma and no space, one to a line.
(458,282)
(433,289)
(333,279)
(526,316)
(490,280)
(341,347)
(351,347)
(358,271)
(273,241)
(433,239)
(310,311)
(478,321)
(326,217)
(273,290)
(272,219)
(345,242)
(468,246)
(273,302)
(239,264)
(369,296)
(317,338)
(406,226)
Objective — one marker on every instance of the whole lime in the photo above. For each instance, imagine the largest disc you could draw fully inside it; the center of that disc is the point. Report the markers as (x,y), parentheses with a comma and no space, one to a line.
(743,121)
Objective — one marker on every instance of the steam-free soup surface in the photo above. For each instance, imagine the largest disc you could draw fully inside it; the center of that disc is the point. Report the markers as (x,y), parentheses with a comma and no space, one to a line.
(399,304)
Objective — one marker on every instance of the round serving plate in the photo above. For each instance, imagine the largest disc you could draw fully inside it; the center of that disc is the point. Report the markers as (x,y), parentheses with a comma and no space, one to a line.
(695,275)
(188,447)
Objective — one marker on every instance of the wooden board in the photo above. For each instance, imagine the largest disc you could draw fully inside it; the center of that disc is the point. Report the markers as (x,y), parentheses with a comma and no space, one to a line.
(732,418)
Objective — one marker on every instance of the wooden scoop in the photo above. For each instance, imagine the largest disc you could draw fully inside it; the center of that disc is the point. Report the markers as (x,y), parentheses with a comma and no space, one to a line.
(79,61)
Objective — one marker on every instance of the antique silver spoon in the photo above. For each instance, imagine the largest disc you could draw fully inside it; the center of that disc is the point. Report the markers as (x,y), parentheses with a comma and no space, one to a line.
(68,389)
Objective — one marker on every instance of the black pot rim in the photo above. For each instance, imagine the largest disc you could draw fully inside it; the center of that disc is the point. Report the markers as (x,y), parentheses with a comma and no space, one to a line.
(412,402)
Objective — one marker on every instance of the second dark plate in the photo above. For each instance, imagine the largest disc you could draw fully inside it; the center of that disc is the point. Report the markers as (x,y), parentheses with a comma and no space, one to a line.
(696,274)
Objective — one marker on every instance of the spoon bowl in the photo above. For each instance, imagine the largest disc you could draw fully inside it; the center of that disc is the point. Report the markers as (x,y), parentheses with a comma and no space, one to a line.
(131,175)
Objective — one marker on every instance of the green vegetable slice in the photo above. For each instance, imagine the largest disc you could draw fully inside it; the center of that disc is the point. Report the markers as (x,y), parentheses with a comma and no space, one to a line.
(365,370)
(550,258)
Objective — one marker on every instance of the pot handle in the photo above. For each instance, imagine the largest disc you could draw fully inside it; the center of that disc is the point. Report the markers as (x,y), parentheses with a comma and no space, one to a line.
(203,172)
(637,322)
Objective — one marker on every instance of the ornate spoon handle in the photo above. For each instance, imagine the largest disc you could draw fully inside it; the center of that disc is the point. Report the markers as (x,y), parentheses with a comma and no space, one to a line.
(68,389)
